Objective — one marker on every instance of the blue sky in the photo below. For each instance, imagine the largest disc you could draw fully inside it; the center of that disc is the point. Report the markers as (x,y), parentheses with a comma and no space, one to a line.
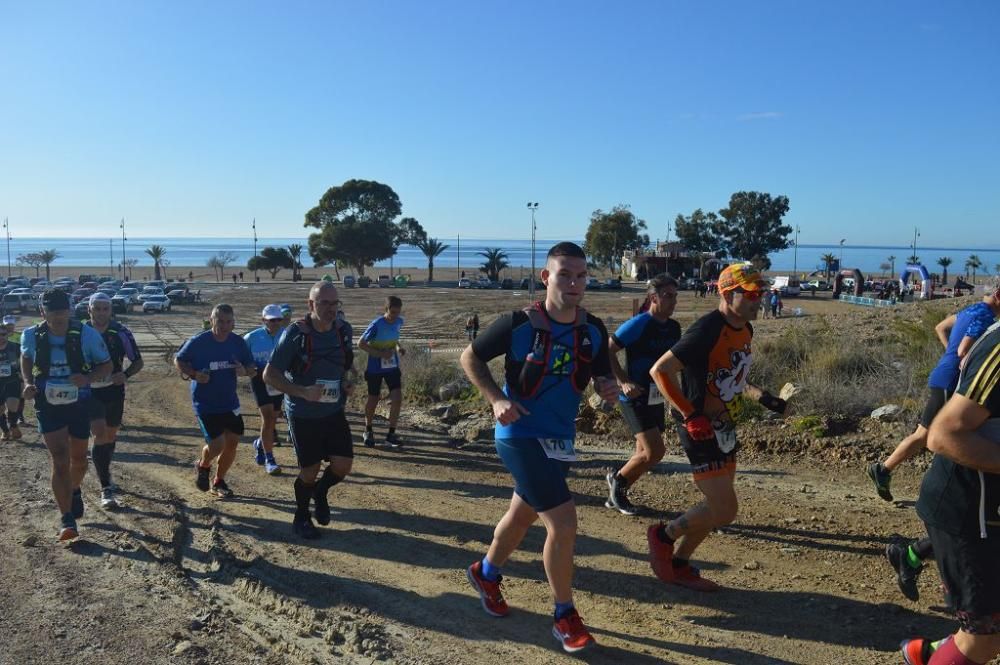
(193,118)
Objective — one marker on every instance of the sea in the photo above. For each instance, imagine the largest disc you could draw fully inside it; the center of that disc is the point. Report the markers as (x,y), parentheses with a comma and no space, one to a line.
(463,253)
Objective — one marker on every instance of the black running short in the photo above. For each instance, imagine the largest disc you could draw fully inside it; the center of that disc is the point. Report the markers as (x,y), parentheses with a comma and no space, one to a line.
(642,417)
(10,390)
(968,569)
(393,381)
(317,439)
(214,425)
(935,401)
(709,458)
(260,393)
(106,406)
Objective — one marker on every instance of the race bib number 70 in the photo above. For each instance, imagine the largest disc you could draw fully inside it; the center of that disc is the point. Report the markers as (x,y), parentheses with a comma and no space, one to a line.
(559,449)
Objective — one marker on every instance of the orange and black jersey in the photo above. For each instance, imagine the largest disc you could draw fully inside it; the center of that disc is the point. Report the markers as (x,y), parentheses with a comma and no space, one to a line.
(716,358)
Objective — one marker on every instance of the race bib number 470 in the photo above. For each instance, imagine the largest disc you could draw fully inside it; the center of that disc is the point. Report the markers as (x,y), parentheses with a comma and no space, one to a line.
(559,449)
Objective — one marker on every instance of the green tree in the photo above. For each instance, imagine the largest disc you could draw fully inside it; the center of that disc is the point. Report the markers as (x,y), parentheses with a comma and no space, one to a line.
(156,252)
(46,258)
(944,262)
(219,262)
(611,233)
(973,263)
(884,267)
(496,260)
(432,248)
(698,235)
(272,259)
(912,259)
(828,261)
(750,227)
(33,259)
(295,251)
(355,222)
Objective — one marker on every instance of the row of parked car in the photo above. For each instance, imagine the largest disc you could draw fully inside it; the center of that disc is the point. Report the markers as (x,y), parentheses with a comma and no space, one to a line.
(20,295)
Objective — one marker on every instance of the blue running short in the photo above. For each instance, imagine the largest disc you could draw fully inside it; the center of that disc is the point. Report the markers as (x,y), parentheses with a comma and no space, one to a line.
(539,480)
(74,417)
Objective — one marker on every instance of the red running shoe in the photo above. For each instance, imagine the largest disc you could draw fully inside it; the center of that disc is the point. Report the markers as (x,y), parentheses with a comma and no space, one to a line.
(661,554)
(489,592)
(690,577)
(572,633)
(916,651)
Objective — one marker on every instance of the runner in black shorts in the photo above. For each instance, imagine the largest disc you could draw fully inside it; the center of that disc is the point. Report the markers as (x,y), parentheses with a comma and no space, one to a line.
(960,505)
(714,355)
(380,341)
(645,337)
(317,353)
(107,401)
(10,386)
(262,342)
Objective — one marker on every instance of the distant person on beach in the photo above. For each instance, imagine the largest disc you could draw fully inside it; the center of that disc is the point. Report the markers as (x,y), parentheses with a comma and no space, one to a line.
(234,278)
(472,326)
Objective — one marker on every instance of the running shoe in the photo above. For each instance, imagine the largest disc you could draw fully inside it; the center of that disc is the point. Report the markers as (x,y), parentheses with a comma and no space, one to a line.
(917,650)
(393,440)
(68,530)
(270,466)
(77,505)
(572,633)
(322,512)
(906,575)
(490,594)
(881,477)
(661,554)
(618,496)
(304,528)
(258,449)
(108,499)
(221,489)
(6,436)
(201,477)
(690,577)
(368,439)
(15,432)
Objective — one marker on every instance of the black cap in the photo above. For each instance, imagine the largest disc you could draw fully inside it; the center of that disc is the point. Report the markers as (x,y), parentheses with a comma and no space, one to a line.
(54,299)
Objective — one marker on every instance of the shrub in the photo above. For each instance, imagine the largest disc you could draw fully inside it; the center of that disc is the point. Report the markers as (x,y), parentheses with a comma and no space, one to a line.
(813,425)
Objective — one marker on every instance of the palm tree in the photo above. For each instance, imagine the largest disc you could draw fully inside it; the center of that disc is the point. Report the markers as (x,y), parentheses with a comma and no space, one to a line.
(944,262)
(973,262)
(46,258)
(432,248)
(828,260)
(496,260)
(156,252)
(296,252)
(892,265)
(913,259)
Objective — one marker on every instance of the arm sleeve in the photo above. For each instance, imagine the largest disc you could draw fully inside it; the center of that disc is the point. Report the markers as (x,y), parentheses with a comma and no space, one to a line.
(631,330)
(602,361)
(495,340)
(28,344)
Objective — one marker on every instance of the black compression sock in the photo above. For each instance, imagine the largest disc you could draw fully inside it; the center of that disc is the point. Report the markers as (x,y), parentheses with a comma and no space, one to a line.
(661,533)
(303,493)
(392,430)
(923,549)
(102,462)
(328,480)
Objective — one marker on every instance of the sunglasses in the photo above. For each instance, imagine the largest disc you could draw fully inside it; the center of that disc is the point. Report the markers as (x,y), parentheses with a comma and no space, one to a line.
(749,295)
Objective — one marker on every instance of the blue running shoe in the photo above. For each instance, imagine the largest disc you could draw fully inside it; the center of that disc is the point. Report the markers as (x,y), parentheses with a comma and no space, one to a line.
(259,450)
(270,466)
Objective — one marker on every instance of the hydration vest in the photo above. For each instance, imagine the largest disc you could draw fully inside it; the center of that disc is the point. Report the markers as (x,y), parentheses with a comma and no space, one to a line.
(113,340)
(525,377)
(303,361)
(74,349)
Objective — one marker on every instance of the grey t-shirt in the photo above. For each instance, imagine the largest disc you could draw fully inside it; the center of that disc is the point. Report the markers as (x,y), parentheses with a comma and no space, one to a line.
(327,362)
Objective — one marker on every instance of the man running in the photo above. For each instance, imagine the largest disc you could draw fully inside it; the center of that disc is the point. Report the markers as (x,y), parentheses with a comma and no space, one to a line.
(14,337)
(59,361)
(107,399)
(380,341)
(262,342)
(960,506)
(957,334)
(317,353)
(212,360)
(552,350)
(645,337)
(714,356)
(10,386)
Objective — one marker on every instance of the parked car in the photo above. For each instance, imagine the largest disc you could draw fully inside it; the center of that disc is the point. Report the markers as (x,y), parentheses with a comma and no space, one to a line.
(15,303)
(612,284)
(149,292)
(384,281)
(158,283)
(349,281)
(507,283)
(819,285)
(526,282)
(465,283)
(482,282)
(80,294)
(593,284)
(156,303)
(82,310)
(121,304)
(132,295)
(178,296)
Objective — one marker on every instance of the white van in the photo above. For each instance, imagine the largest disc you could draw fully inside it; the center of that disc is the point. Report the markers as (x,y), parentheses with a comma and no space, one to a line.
(787,286)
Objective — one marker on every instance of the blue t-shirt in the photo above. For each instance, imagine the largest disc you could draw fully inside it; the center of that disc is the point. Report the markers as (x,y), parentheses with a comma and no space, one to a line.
(95,352)
(644,339)
(970,322)
(331,358)
(382,335)
(554,406)
(262,344)
(220,360)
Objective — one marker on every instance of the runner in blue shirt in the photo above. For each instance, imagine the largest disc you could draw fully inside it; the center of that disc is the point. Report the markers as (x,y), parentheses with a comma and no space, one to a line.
(552,352)
(59,361)
(645,337)
(262,342)
(212,360)
(380,341)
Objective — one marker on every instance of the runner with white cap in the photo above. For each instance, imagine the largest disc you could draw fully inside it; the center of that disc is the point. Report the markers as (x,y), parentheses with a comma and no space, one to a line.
(262,342)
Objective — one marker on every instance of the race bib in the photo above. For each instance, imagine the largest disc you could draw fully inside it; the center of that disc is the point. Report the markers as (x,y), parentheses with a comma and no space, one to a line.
(5,370)
(726,439)
(655,397)
(390,363)
(331,390)
(559,449)
(271,390)
(221,364)
(57,394)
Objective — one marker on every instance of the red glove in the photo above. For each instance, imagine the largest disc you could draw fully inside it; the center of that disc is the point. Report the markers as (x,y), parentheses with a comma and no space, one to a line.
(699,427)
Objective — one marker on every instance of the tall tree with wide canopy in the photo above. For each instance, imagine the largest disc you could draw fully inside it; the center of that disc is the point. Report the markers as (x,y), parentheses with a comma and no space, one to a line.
(611,233)
(750,227)
(697,233)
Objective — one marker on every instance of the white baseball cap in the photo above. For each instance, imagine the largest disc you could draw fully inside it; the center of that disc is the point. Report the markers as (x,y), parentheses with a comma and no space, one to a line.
(272,312)
(99,297)
(9,320)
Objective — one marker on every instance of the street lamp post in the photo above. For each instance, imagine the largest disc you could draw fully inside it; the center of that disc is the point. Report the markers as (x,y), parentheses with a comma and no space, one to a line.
(6,226)
(123,249)
(840,261)
(795,254)
(111,254)
(254,226)
(916,234)
(531,279)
